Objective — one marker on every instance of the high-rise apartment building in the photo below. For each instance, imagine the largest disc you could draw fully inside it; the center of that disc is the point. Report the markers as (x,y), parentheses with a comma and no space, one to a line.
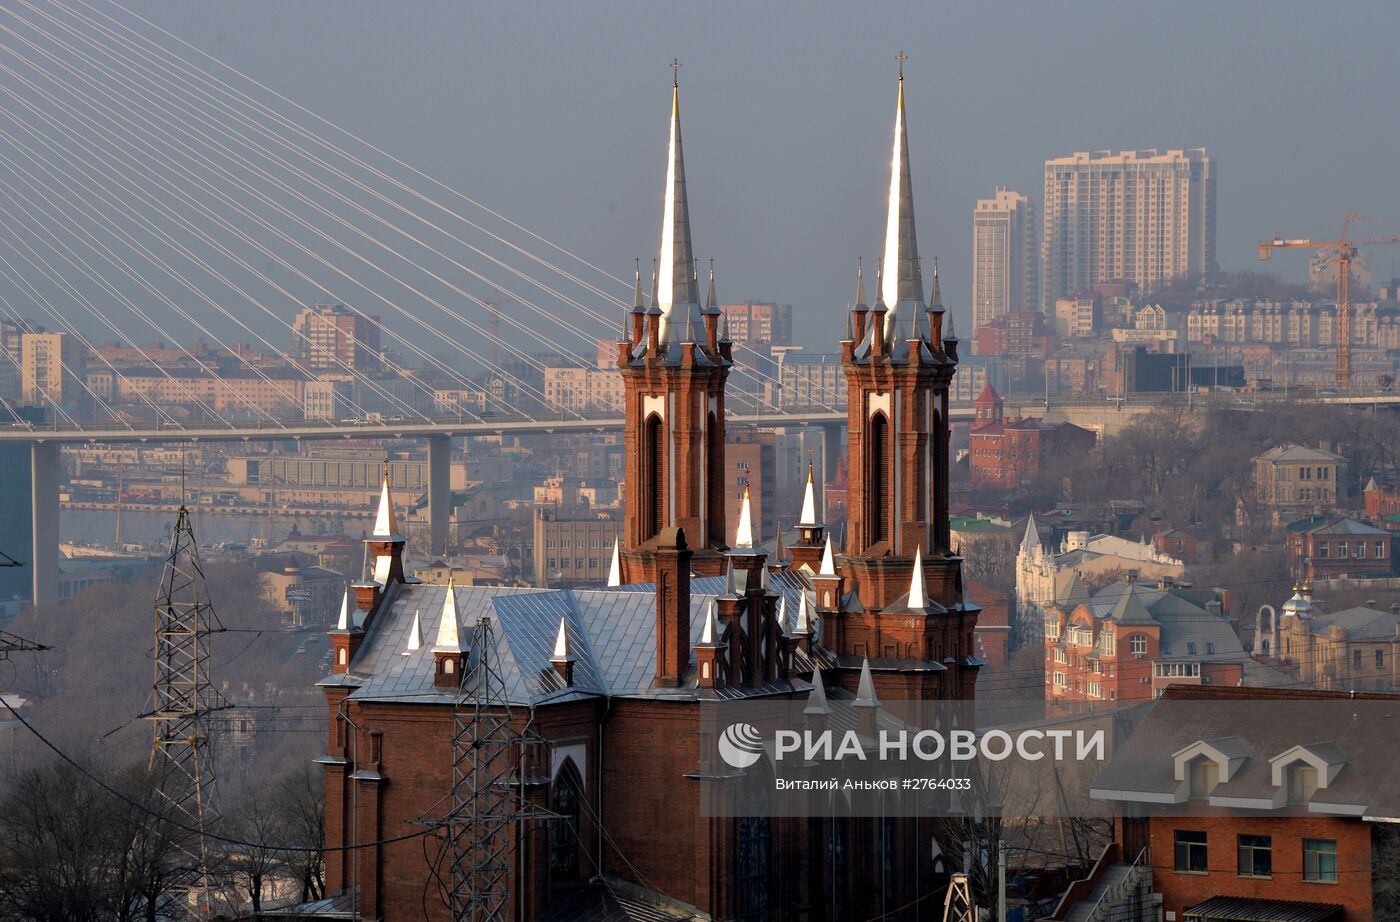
(1005,257)
(757,324)
(1139,215)
(330,337)
(51,369)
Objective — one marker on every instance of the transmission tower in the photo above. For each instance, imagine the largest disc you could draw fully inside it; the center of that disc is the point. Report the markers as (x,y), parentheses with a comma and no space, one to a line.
(181,761)
(491,759)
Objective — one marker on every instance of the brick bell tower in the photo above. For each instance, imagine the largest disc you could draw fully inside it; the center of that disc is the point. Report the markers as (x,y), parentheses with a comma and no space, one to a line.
(899,359)
(674,357)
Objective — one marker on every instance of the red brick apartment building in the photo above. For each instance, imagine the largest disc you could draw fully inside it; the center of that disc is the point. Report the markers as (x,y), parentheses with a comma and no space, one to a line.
(1273,805)
(1008,453)
(1131,640)
(1322,546)
(614,682)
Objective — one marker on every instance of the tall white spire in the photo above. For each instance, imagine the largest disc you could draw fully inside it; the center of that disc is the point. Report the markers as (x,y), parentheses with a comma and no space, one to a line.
(415,634)
(901,282)
(916,580)
(809,501)
(1030,542)
(743,535)
(449,636)
(816,699)
(615,569)
(828,565)
(804,616)
(676,289)
(386,523)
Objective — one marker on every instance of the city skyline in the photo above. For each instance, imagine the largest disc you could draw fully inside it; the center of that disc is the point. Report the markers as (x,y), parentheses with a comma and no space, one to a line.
(805,123)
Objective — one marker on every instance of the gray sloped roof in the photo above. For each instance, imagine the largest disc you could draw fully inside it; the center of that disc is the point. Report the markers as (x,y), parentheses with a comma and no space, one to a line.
(1299,453)
(613,634)
(1360,623)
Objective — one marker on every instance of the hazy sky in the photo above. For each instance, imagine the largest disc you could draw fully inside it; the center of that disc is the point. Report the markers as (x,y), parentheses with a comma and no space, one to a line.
(555,113)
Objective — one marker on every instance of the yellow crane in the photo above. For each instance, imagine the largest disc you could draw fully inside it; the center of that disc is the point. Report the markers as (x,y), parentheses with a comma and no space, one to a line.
(1343,251)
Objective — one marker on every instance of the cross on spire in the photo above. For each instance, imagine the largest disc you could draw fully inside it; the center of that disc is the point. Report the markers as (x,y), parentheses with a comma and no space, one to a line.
(676,71)
(901,58)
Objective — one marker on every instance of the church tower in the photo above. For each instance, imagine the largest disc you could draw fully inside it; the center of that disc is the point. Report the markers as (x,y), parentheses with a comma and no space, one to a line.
(674,359)
(899,358)
(894,599)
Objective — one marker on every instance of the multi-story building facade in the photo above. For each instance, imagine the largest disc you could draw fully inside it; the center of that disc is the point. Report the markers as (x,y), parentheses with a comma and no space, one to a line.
(53,369)
(1005,257)
(1250,803)
(759,324)
(583,389)
(1132,639)
(1293,479)
(331,337)
(1051,576)
(1023,333)
(1010,453)
(1353,648)
(809,379)
(1332,547)
(573,545)
(1145,216)
(750,468)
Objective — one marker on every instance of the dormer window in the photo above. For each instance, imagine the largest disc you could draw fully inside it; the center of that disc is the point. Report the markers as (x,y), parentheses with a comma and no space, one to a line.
(1205,775)
(1302,783)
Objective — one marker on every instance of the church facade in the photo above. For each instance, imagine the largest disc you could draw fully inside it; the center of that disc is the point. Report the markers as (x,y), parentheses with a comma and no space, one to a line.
(604,690)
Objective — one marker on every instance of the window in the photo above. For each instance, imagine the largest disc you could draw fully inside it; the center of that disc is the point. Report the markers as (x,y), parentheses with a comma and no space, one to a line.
(1191,851)
(1302,783)
(1256,856)
(563,835)
(1322,548)
(1210,648)
(1361,549)
(1060,680)
(1137,643)
(1341,549)
(1380,659)
(1356,658)
(1166,647)
(1205,775)
(1380,549)
(1320,860)
(1191,647)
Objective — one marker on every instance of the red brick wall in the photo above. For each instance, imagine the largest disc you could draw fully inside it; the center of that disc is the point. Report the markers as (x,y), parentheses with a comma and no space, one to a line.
(1182,890)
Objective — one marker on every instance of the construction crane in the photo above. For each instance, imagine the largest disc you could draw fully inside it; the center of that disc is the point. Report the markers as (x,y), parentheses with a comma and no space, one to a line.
(1343,251)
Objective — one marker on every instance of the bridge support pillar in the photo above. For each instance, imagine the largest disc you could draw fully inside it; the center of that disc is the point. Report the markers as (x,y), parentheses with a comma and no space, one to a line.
(439,492)
(831,456)
(43,485)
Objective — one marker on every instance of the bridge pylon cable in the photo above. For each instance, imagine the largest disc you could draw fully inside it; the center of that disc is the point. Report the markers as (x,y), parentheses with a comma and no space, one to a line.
(237,95)
(106,111)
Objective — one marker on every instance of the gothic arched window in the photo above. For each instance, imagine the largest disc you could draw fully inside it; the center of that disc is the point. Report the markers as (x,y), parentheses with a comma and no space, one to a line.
(755,842)
(879,480)
(653,475)
(563,830)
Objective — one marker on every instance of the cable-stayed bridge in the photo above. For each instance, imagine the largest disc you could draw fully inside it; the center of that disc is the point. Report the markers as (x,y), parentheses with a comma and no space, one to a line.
(150,192)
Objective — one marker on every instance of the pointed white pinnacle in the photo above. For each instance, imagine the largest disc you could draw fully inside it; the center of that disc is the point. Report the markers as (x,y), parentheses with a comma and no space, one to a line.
(343,622)
(415,634)
(711,629)
(563,649)
(386,523)
(916,581)
(828,567)
(809,502)
(615,571)
(448,636)
(816,699)
(865,692)
(743,536)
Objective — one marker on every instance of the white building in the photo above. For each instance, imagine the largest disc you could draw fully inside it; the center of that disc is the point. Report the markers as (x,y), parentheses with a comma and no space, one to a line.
(1005,256)
(1139,215)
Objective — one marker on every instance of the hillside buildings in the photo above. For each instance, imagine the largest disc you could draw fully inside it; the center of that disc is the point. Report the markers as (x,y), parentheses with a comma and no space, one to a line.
(1010,453)
(1005,257)
(1295,479)
(1350,649)
(1145,216)
(1333,547)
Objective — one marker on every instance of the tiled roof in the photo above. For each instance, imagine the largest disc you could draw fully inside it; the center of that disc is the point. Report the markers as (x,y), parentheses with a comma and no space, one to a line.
(1338,527)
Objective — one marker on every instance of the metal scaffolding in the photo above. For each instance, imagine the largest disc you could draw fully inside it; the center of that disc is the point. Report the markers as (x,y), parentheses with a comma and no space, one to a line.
(491,762)
(181,762)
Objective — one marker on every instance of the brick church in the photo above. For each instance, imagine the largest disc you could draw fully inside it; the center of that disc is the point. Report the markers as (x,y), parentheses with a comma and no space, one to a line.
(613,681)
